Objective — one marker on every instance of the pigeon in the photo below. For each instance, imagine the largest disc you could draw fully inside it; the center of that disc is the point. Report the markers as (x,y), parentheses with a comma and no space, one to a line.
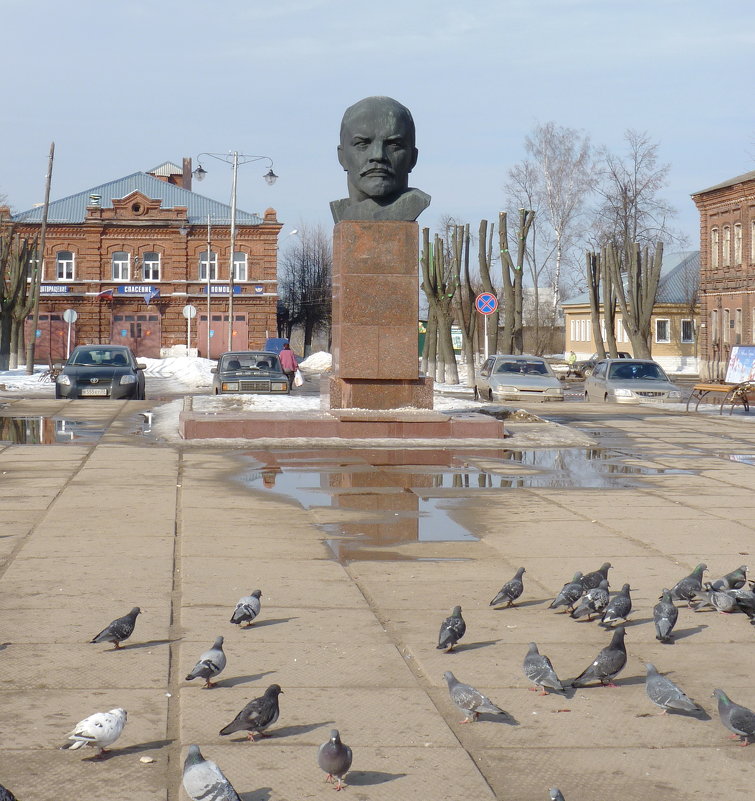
(335,759)
(665,694)
(99,730)
(510,591)
(247,609)
(738,719)
(539,670)
(718,599)
(257,715)
(685,589)
(119,630)
(664,617)
(593,602)
(618,607)
(210,664)
(593,579)
(451,630)
(731,581)
(569,594)
(556,794)
(6,794)
(745,601)
(470,701)
(204,781)
(608,663)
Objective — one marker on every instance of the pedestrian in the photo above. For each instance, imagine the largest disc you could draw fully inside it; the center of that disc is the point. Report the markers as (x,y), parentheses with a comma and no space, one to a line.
(288,362)
(571,360)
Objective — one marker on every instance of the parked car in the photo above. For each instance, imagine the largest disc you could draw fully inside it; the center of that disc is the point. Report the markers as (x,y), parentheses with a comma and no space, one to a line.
(249,371)
(630,381)
(585,367)
(519,378)
(100,371)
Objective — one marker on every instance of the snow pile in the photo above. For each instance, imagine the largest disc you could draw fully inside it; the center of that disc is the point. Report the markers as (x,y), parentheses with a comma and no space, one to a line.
(317,362)
(18,381)
(256,403)
(190,370)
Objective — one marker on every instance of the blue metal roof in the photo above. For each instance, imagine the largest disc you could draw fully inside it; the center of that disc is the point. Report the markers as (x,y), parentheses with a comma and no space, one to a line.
(72,209)
(680,275)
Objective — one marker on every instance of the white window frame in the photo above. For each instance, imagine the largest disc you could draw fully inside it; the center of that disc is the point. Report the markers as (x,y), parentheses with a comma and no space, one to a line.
(690,323)
(738,244)
(151,267)
(726,326)
(203,265)
(65,269)
(667,338)
(120,267)
(727,246)
(714,248)
(240,267)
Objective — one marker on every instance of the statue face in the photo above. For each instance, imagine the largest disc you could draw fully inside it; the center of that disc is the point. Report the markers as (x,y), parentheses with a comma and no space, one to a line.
(377,150)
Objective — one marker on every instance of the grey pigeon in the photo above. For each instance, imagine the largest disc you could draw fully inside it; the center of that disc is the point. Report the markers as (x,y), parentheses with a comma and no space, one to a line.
(745,601)
(451,630)
(685,589)
(470,701)
(593,602)
(204,781)
(618,608)
(720,600)
(510,591)
(539,670)
(6,794)
(335,759)
(556,794)
(738,719)
(607,664)
(593,579)
(210,664)
(247,609)
(665,694)
(665,615)
(257,715)
(119,630)
(569,594)
(731,581)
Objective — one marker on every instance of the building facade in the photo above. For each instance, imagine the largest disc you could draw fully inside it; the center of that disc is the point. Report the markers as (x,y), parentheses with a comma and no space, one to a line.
(131,258)
(727,276)
(674,320)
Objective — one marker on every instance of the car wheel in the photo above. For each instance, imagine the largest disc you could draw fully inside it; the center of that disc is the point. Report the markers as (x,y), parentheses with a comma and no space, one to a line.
(587,372)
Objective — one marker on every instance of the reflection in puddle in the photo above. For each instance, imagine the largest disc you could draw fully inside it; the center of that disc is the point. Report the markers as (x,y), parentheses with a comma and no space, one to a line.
(371,500)
(744,458)
(43,430)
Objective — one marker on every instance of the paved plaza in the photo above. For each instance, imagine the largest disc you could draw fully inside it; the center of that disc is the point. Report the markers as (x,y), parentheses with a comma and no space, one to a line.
(91,529)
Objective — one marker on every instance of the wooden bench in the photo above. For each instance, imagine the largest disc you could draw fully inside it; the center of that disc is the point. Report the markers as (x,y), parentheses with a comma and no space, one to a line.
(732,394)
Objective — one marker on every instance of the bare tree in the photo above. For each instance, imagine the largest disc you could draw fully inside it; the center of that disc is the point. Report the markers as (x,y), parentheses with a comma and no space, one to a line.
(305,282)
(511,271)
(18,262)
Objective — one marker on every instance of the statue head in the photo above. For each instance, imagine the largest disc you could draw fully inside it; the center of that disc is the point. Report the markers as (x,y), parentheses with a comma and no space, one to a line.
(377,149)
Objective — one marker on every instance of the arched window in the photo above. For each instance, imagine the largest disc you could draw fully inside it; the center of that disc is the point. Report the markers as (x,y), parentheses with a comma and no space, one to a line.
(151,265)
(715,334)
(726,326)
(203,266)
(239,266)
(121,262)
(737,244)
(714,248)
(64,265)
(727,246)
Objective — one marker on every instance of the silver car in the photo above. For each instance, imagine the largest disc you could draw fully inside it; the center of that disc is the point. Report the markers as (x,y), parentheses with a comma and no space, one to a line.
(630,381)
(518,378)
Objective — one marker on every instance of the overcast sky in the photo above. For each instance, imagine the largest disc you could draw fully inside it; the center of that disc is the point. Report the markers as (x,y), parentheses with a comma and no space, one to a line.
(122,87)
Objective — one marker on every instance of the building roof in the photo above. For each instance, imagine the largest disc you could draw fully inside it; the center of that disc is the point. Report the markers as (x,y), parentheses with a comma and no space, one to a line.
(680,273)
(166,168)
(72,209)
(739,179)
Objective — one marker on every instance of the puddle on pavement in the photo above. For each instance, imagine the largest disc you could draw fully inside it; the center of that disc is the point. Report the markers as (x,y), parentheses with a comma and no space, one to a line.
(744,458)
(371,501)
(41,430)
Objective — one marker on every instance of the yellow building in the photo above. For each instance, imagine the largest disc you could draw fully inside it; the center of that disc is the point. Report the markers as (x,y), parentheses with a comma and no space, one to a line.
(674,321)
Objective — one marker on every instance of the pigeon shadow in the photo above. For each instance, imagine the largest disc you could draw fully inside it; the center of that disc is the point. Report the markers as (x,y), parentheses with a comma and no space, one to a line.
(4,645)
(364,778)
(305,728)
(232,682)
(258,624)
(148,644)
(508,719)
(680,634)
(521,604)
(263,794)
(139,747)
(472,646)
(637,621)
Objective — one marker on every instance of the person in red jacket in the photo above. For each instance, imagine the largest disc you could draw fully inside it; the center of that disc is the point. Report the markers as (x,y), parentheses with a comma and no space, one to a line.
(288,362)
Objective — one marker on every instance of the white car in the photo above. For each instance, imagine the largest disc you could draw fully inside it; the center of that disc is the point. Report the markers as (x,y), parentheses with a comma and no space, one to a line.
(630,381)
(518,378)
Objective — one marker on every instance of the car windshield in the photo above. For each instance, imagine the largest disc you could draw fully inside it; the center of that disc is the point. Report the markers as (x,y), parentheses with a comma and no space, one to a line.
(249,361)
(98,357)
(635,371)
(523,368)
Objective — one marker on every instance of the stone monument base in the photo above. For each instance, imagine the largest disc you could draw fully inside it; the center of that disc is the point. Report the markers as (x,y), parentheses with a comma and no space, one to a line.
(376,393)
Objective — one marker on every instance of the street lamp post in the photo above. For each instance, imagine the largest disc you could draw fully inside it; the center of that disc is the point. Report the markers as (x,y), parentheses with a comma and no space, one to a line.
(234,158)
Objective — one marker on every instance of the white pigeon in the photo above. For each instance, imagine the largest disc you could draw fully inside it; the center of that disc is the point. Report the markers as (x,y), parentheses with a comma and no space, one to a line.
(99,730)
(204,781)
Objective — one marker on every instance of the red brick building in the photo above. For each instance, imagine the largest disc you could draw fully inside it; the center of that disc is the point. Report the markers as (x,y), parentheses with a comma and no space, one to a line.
(727,271)
(129,255)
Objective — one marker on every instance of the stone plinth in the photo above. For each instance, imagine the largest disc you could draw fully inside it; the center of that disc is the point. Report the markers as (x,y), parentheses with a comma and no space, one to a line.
(375,393)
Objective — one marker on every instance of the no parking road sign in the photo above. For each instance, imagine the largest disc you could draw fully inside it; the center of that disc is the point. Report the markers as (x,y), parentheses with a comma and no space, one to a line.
(486,303)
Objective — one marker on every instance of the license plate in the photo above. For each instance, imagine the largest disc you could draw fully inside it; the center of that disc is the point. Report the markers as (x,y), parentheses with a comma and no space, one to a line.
(99,391)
